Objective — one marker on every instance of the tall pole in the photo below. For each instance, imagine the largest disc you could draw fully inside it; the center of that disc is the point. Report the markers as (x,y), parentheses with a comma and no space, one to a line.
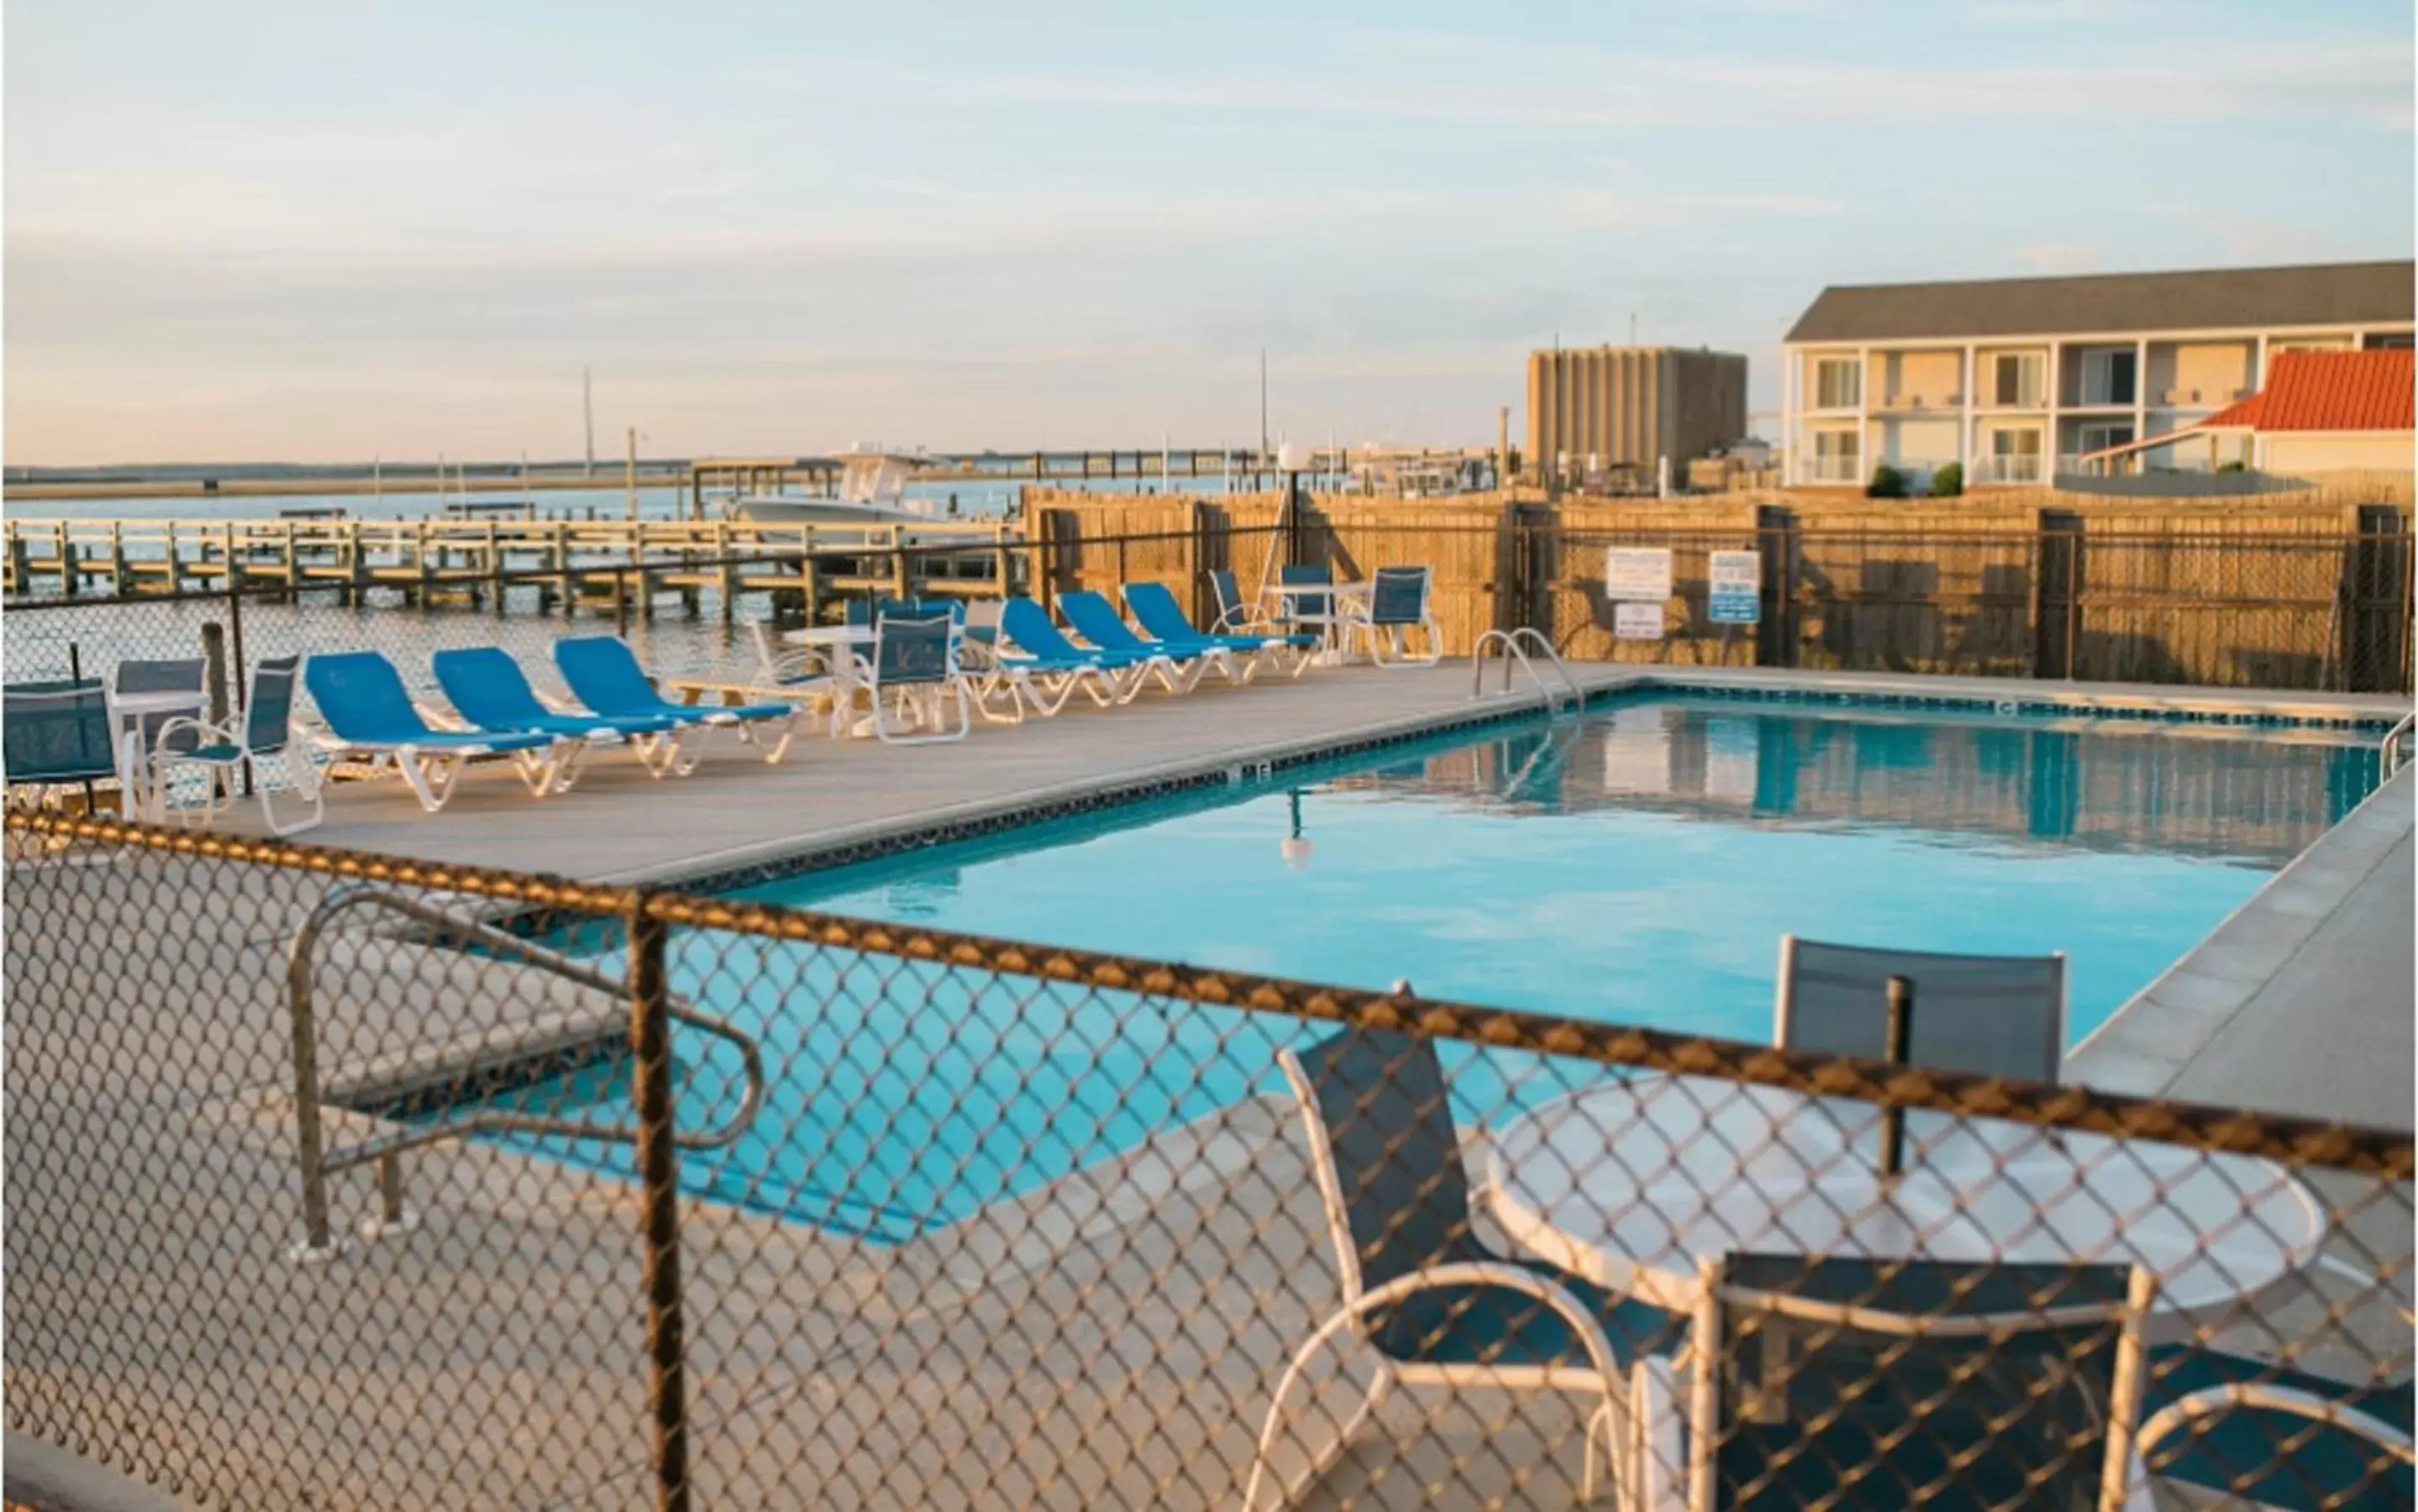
(588,411)
(1503,446)
(1264,406)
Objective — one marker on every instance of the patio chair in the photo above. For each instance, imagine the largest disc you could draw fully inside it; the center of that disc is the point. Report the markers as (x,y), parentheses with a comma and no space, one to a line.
(263,737)
(370,719)
(487,688)
(1438,1306)
(1178,668)
(1399,601)
(911,675)
(604,674)
(146,698)
(55,734)
(2331,1454)
(1236,616)
(1156,610)
(1844,1381)
(1303,609)
(1993,1016)
(1035,659)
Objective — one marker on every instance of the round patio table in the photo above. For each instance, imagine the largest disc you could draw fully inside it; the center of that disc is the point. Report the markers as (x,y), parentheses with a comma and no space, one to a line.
(1631,1183)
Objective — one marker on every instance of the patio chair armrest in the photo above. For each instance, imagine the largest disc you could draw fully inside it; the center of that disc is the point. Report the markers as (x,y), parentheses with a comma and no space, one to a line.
(2211,1400)
(1515,1279)
(227,733)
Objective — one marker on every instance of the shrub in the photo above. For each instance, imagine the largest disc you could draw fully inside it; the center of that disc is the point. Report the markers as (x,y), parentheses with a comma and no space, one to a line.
(2235,465)
(1948,481)
(1888,482)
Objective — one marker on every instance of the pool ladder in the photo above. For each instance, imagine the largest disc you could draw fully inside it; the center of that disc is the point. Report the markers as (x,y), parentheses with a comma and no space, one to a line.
(2394,750)
(318,1163)
(1514,643)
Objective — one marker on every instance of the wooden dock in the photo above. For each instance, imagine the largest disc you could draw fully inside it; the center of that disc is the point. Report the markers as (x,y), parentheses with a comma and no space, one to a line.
(609,565)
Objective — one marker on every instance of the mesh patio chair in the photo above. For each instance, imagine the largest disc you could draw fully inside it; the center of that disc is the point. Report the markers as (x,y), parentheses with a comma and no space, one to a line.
(912,674)
(1303,604)
(1419,1285)
(1399,601)
(155,703)
(55,734)
(263,736)
(1995,1015)
(1839,1381)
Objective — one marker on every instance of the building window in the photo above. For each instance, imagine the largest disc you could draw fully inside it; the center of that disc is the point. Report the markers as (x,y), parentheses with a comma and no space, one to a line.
(1838,382)
(1835,457)
(2311,344)
(2015,379)
(2110,376)
(2099,437)
(2378,341)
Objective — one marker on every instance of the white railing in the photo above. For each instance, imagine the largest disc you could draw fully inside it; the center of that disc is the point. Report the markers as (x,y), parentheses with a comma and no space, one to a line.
(2008,469)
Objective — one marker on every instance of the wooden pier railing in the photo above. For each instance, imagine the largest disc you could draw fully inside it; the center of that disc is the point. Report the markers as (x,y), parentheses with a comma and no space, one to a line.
(573,563)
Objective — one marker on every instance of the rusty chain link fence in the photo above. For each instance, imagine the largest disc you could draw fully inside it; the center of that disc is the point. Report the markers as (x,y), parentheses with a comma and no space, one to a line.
(339,1179)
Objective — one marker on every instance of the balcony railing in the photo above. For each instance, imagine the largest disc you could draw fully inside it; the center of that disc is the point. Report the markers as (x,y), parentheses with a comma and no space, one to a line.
(2019,468)
(1835,469)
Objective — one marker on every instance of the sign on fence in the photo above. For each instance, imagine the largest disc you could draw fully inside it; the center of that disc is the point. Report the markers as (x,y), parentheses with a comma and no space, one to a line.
(1637,574)
(1637,621)
(1736,597)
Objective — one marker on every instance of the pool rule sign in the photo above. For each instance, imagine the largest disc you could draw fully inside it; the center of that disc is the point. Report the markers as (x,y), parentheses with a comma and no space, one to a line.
(1737,588)
(1637,580)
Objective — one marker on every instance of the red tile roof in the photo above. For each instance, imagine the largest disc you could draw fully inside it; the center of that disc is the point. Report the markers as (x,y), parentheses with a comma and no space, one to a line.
(2328,391)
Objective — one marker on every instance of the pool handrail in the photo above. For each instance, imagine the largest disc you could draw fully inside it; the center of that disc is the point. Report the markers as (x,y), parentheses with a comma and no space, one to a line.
(1513,643)
(317,1162)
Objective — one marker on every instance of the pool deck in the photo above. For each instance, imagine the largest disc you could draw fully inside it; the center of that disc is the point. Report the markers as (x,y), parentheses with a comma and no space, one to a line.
(507,1328)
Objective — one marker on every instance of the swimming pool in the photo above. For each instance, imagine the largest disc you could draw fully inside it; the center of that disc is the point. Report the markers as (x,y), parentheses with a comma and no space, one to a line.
(1637,865)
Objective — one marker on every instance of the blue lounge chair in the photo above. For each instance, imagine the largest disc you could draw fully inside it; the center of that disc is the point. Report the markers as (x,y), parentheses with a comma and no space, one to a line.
(1036,659)
(1155,609)
(264,738)
(1178,668)
(604,675)
(370,719)
(487,688)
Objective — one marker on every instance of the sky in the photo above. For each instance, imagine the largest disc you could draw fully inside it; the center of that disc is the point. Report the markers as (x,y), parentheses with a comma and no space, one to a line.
(288,230)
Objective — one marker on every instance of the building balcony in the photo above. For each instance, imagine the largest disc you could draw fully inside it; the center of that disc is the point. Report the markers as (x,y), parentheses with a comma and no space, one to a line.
(1908,403)
(2008,469)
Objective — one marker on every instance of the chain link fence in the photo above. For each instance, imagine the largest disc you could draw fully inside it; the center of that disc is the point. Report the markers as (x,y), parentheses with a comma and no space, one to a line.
(335,1179)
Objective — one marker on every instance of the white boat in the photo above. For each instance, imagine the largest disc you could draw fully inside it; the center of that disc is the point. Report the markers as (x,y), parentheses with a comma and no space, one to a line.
(871,490)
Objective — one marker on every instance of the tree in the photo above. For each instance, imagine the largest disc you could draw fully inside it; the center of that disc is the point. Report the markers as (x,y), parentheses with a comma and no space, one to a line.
(1948,481)
(1888,482)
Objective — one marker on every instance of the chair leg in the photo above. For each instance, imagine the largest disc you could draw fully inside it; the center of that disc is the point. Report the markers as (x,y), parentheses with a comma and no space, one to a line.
(1379,1386)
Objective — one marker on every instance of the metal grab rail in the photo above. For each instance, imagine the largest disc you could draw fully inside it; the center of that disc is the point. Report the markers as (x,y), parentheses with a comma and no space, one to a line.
(2395,748)
(1511,641)
(317,1162)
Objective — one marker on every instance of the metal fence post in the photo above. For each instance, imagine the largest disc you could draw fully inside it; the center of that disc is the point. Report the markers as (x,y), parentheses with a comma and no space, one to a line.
(651,1086)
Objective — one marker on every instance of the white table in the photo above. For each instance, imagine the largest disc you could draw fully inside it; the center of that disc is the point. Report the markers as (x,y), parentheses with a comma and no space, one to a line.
(1631,1183)
(1274,605)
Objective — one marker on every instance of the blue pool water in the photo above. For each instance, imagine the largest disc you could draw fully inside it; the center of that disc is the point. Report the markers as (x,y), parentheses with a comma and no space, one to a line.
(1636,865)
